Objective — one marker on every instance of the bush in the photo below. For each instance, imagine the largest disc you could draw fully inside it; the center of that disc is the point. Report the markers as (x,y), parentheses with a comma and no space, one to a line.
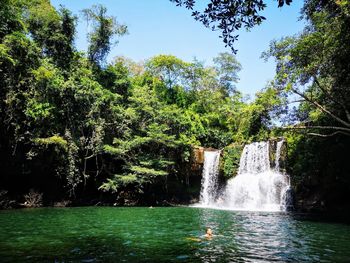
(33,199)
(5,202)
(230,160)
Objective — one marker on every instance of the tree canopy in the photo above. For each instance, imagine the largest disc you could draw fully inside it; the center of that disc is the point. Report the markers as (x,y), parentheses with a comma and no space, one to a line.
(313,65)
(109,126)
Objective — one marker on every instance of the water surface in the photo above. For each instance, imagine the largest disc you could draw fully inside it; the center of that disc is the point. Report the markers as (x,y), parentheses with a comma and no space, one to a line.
(107,234)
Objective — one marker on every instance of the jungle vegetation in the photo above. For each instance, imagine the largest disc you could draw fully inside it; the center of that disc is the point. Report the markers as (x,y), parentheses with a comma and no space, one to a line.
(74,126)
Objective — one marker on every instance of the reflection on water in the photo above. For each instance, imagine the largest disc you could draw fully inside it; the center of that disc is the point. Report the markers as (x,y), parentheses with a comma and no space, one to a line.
(167,235)
(266,237)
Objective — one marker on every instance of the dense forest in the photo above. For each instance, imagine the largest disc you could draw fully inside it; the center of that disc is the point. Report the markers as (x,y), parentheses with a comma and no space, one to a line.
(76,129)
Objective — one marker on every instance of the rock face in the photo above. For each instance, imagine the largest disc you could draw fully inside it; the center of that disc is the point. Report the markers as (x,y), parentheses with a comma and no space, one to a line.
(191,172)
(197,158)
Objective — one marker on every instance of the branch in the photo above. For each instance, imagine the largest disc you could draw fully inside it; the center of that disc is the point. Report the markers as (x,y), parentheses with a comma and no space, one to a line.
(328,135)
(332,99)
(89,157)
(323,109)
(317,127)
(296,101)
(340,130)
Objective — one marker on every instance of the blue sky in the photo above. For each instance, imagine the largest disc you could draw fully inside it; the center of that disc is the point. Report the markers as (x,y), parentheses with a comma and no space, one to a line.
(159,27)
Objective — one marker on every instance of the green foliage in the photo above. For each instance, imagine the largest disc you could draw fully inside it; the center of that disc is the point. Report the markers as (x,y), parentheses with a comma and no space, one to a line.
(72,168)
(105,28)
(53,140)
(168,68)
(38,111)
(227,67)
(227,16)
(229,162)
(118,126)
(71,120)
(313,66)
(4,56)
(312,69)
(10,13)
(146,143)
(52,31)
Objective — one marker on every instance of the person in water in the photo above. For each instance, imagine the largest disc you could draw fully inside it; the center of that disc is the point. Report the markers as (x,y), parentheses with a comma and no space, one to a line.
(209,233)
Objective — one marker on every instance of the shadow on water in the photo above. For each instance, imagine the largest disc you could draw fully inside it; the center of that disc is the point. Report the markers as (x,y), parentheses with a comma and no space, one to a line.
(93,234)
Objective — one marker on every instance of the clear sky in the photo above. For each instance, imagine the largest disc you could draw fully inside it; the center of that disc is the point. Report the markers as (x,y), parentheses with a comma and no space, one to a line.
(159,27)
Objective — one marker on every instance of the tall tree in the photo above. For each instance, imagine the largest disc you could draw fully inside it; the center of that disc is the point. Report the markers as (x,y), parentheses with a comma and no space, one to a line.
(227,67)
(103,35)
(314,66)
(53,31)
(170,69)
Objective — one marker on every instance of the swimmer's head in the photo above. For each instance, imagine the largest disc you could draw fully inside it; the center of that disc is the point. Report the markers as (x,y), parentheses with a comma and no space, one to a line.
(209,232)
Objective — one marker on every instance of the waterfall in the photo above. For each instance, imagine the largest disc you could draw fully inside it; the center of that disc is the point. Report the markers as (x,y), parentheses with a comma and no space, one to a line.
(278,155)
(255,158)
(257,186)
(286,197)
(210,178)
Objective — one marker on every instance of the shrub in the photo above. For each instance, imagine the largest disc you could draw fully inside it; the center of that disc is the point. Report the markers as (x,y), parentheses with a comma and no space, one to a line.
(230,160)
(33,199)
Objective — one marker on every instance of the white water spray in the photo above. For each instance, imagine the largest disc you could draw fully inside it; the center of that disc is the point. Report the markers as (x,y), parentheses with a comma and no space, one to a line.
(257,187)
(278,155)
(210,178)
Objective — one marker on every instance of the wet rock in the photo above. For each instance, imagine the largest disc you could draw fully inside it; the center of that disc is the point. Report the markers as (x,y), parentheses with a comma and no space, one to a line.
(197,158)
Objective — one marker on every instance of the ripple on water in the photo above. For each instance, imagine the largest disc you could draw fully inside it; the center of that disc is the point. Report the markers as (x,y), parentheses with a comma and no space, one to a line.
(182,257)
(167,234)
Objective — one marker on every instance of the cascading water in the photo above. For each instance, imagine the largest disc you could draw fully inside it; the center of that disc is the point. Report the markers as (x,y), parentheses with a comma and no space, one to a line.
(257,186)
(278,155)
(286,196)
(210,178)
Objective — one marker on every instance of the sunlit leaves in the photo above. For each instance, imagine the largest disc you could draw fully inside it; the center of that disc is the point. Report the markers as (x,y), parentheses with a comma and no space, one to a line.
(105,29)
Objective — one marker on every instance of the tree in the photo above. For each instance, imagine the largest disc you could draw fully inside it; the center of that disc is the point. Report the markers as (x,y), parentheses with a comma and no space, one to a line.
(170,69)
(146,144)
(70,121)
(53,31)
(229,16)
(105,29)
(314,66)
(227,67)
(10,13)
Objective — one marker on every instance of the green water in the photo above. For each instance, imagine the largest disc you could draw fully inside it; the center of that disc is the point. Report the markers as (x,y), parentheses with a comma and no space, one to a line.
(107,234)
